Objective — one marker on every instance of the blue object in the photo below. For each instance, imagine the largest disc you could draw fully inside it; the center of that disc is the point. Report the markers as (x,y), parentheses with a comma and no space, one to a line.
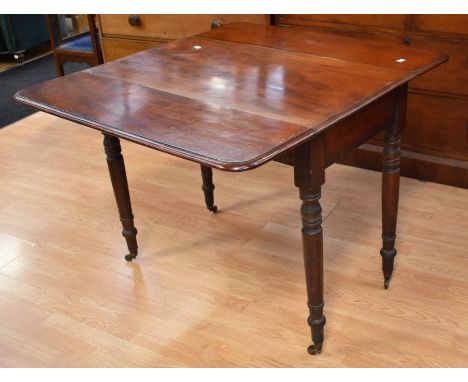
(22,32)
(82,43)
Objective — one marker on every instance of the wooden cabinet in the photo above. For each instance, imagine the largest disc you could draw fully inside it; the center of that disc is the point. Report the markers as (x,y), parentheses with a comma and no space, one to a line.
(435,143)
(126,34)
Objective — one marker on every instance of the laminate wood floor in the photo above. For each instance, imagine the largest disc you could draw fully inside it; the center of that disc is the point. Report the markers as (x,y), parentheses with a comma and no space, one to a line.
(215,290)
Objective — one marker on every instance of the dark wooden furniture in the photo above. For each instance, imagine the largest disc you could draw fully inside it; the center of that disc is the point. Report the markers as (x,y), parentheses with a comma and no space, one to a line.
(84,47)
(244,94)
(436,137)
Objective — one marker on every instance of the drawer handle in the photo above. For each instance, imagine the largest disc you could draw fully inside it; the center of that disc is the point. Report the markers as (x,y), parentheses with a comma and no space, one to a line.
(216,24)
(134,20)
(406,40)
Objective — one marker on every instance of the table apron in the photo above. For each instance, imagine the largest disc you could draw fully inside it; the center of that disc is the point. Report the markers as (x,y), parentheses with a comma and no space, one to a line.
(356,129)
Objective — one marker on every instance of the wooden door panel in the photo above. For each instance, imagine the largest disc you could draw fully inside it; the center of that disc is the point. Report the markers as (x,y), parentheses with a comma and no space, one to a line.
(440,23)
(452,77)
(437,124)
(349,22)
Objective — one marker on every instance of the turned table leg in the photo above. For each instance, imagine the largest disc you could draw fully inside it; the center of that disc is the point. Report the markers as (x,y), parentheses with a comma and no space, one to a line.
(208,187)
(312,239)
(390,192)
(391,186)
(309,175)
(118,177)
(206,172)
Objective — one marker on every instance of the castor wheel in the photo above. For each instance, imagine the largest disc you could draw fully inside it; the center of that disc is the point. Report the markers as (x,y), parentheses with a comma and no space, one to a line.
(386,282)
(314,349)
(213,209)
(130,256)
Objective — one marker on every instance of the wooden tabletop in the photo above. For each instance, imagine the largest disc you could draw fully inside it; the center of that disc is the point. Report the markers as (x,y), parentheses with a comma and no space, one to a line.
(235,97)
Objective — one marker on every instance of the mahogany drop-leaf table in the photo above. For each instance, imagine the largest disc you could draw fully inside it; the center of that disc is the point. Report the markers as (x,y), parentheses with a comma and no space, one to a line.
(241,95)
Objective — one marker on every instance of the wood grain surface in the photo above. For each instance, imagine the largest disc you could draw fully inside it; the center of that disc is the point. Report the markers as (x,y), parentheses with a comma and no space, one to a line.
(215,290)
(235,97)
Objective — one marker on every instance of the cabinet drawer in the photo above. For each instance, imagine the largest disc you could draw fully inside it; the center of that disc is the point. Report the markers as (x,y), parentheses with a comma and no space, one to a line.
(168,26)
(437,124)
(114,48)
(452,76)
(440,23)
(347,22)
